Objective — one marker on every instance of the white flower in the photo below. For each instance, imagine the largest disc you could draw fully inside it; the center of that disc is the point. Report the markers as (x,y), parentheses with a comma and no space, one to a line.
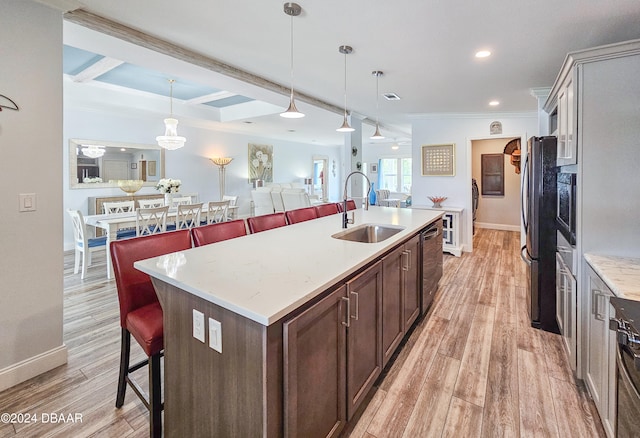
(168,185)
(255,162)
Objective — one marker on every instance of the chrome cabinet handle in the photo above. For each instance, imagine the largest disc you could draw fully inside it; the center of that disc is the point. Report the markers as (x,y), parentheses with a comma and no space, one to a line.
(405,263)
(347,324)
(357,306)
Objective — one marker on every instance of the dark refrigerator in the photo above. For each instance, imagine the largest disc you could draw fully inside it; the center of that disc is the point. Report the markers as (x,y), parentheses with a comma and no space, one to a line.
(538,203)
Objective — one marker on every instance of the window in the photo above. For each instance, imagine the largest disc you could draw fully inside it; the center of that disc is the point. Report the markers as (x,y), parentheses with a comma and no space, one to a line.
(395,174)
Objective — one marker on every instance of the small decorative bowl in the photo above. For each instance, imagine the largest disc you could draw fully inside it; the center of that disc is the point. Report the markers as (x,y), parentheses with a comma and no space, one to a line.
(437,200)
(130,186)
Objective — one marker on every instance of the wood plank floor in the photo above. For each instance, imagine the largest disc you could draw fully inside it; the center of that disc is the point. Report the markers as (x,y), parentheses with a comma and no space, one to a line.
(474,367)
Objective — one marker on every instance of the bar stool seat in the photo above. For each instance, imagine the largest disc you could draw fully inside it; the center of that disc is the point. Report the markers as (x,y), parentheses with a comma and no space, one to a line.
(145,325)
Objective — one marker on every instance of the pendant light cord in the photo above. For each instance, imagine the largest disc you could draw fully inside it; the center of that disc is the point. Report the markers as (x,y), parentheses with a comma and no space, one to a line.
(291,57)
(345,85)
(171,81)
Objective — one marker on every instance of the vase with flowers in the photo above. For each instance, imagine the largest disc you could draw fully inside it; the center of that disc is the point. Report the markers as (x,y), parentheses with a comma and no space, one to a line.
(168,186)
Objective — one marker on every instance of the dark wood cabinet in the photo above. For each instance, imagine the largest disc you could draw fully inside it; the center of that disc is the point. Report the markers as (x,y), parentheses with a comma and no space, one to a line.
(315,390)
(392,302)
(411,281)
(401,294)
(364,335)
(332,356)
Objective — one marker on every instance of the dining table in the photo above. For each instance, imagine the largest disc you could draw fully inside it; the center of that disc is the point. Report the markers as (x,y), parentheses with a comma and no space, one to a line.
(113,222)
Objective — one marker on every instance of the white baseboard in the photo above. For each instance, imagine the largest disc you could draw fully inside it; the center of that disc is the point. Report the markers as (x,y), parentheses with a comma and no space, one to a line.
(498,226)
(34,366)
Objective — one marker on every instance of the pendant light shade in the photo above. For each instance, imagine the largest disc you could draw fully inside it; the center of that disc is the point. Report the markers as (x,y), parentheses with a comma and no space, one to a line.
(376,135)
(293,10)
(171,140)
(345,50)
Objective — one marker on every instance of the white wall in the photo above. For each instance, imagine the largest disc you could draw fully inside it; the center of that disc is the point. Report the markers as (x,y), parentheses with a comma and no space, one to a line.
(292,161)
(497,212)
(31,265)
(460,130)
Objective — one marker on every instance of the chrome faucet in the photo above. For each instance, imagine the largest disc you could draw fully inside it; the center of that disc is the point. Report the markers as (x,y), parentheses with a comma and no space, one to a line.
(345,219)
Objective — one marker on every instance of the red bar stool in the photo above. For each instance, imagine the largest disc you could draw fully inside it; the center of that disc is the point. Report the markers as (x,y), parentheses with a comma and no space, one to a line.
(217,232)
(301,215)
(327,209)
(351,205)
(141,315)
(266,222)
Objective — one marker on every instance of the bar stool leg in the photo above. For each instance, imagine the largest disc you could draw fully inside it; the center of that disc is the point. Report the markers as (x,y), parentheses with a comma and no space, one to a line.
(155,397)
(125,349)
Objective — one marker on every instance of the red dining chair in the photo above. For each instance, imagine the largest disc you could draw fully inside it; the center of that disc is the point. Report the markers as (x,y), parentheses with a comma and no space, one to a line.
(351,205)
(141,315)
(266,222)
(301,215)
(326,209)
(217,232)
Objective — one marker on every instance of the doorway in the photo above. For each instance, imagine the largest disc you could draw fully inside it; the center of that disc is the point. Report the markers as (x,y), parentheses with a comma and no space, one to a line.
(499,184)
(320,184)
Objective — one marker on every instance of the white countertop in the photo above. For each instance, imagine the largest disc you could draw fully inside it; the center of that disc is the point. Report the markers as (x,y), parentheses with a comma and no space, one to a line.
(620,274)
(265,276)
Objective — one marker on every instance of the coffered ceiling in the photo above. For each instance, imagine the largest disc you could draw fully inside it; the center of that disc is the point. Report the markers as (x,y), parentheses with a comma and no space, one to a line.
(425,49)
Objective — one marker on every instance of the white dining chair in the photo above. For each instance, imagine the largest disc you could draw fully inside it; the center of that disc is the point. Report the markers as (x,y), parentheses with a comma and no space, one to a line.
(276,198)
(151,220)
(83,245)
(188,216)
(151,203)
(262,202)
(294,199)
(233,200)
(217,211)
(182,200)
(118,207)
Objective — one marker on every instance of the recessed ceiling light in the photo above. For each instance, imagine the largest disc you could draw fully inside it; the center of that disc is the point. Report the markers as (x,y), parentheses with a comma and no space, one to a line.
(248,122)
(391,96)
(291,130)
(494,103)
(483,54)
(395,146)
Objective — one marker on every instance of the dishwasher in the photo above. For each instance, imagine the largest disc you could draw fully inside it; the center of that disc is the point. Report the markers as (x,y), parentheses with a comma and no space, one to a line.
(431,240)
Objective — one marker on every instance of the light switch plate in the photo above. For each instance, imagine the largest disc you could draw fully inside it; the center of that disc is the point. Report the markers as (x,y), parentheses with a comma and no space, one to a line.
(215,335)
(27,202)
(198,325)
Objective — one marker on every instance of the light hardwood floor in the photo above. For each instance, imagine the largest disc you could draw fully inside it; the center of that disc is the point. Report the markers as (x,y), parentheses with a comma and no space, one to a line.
(473,367)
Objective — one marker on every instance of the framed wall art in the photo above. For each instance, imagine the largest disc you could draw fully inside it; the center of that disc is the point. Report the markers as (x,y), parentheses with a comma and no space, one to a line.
(260,162)
(438,160)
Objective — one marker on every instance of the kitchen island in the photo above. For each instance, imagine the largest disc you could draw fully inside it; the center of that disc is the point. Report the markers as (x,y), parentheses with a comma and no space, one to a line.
(300,331)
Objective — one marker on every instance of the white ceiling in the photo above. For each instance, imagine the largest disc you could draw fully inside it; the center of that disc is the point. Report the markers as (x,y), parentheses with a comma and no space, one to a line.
(425,49)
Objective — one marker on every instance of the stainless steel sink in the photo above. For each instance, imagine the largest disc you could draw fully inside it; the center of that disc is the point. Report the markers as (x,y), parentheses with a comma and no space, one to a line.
(368,233)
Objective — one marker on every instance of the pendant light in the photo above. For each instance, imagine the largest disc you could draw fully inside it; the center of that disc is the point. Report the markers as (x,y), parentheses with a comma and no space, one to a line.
(171,140)
(376,135)
(345,50)
(293,10)
(92,151)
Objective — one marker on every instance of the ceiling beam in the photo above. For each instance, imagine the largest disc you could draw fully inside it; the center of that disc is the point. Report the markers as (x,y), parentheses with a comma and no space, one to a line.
(117,30)
(97,69)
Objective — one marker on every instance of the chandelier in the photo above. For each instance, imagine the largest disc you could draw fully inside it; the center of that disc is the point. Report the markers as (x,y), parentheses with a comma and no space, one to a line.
(171,140)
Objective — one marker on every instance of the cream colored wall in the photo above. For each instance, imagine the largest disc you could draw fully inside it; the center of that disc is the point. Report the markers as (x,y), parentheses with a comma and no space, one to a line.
(31,265)
(500,212)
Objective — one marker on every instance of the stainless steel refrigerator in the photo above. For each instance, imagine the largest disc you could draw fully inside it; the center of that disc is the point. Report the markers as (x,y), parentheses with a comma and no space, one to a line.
(538,203)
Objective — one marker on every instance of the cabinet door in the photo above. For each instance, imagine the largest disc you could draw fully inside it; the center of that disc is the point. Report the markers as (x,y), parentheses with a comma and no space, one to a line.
(314,369)
(567,152)
(364,340)
(392,297)
(560,294)
(411,270)
(598,346)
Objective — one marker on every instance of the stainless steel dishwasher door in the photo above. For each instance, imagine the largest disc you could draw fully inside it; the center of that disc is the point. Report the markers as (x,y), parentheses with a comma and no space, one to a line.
(431,239)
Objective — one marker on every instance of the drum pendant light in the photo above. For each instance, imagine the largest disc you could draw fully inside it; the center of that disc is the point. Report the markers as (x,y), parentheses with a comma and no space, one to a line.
(171,140)
(345,50)
(293,10)
(376,135)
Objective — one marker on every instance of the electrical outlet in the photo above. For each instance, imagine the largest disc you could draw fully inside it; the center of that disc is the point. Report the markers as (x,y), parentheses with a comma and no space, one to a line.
(215,335)
(198,325)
